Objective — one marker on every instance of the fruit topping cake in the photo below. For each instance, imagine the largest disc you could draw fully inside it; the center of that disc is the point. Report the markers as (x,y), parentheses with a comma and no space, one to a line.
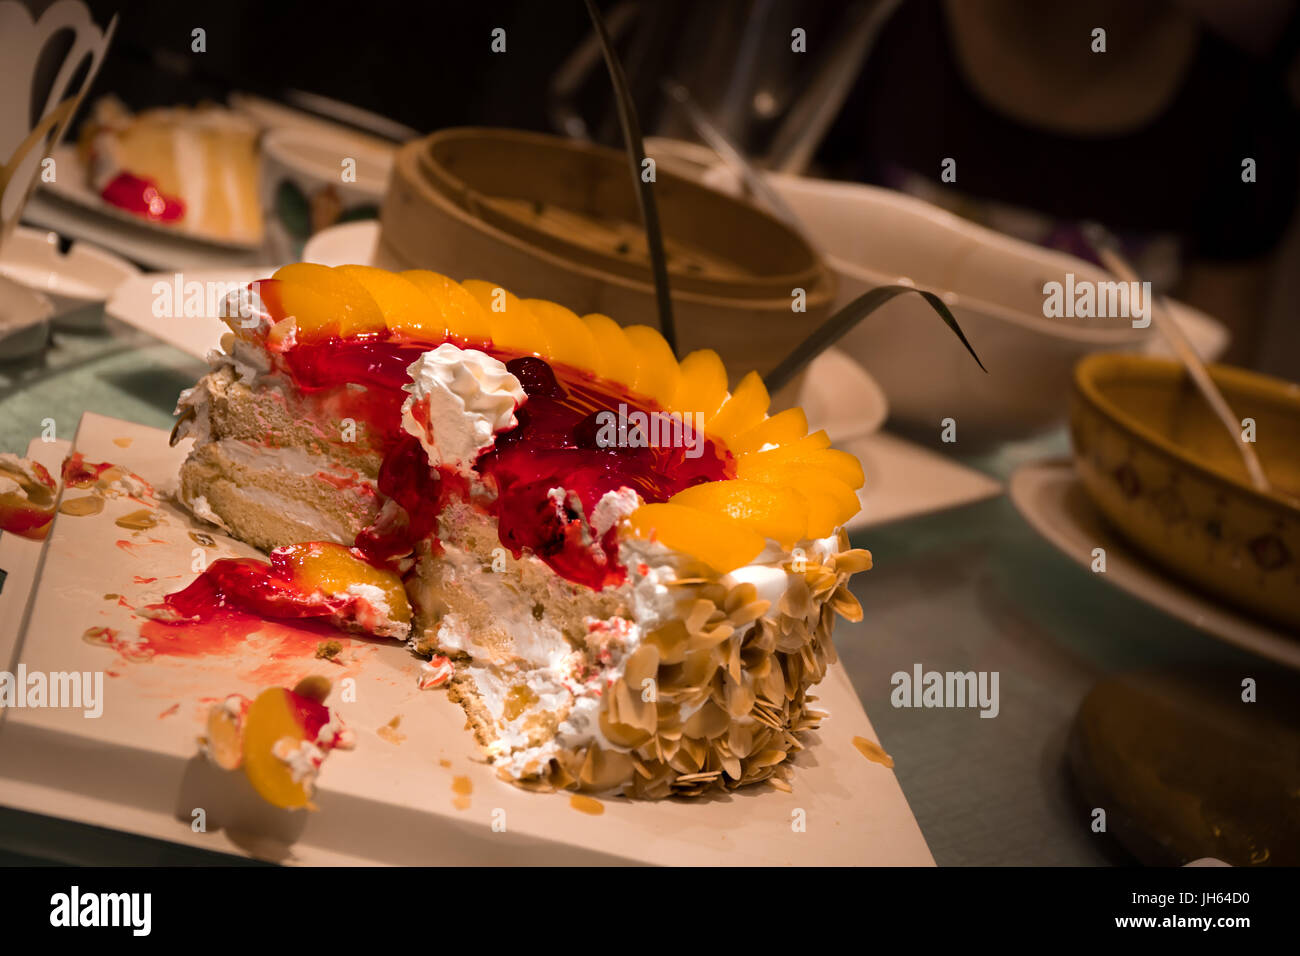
(194,168)
(626,574)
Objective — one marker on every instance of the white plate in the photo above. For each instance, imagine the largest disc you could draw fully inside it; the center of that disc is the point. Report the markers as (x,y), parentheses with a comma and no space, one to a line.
(1053,501)
(136,767)
(133,303)
(77,282)
(140,243)
(71,185)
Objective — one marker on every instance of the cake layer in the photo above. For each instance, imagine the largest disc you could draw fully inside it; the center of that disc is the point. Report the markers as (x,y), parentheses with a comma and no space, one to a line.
(634,573)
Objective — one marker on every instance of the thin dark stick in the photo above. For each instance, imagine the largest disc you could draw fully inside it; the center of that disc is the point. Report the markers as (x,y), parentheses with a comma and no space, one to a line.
(644,190)
(834,328)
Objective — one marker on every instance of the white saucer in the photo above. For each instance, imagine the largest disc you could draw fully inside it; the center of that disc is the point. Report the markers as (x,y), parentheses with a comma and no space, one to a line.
(1053,501)
(133,303)
(77,282)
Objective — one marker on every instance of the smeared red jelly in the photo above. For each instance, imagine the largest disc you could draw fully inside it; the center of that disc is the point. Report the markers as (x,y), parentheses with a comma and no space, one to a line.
(248,585)
(140,195)
(79,473)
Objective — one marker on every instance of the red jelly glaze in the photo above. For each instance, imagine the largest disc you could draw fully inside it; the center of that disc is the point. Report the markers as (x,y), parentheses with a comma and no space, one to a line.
(140,195)
(552,446)
(547,449)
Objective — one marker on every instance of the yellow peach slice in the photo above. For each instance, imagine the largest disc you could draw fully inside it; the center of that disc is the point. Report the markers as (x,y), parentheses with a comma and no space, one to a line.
(782,428)
(458,312)
(312,317)
(704,384)
(839,464)
(722,543)
(742,411)
(333,568)
(406,310)
(358,312)
(656,367)
(225,736)
(830,501)
(571,341)
(514,327)
(774,511)
(271,718)
(613,351)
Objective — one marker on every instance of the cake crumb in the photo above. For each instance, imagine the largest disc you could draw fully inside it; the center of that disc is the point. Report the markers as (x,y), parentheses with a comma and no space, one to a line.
(389,731)
(872,751)
(328,650)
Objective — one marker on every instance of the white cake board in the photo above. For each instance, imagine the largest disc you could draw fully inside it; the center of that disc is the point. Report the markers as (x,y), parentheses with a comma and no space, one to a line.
(136,767)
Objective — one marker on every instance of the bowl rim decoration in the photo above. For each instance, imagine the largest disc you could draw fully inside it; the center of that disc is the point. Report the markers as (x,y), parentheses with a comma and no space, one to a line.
(1265,387)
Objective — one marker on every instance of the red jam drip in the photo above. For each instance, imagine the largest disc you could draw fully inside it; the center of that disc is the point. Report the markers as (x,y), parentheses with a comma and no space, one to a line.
(140,195)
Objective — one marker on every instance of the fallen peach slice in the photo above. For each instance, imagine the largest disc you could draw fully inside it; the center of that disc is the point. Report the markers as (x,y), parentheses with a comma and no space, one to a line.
(280,730)
(333,569)
(225,732)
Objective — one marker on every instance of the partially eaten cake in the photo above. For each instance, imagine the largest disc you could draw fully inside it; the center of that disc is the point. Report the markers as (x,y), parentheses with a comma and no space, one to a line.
(633,572)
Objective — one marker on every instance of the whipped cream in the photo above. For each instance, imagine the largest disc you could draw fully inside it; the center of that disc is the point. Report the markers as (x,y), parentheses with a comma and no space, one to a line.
(460,398)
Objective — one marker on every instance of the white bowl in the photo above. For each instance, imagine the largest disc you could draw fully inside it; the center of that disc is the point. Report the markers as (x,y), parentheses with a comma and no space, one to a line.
(24,322)
(76,283)
(993,284)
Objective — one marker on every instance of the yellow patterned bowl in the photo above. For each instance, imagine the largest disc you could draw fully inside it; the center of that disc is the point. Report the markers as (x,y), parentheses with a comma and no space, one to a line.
(1161,468)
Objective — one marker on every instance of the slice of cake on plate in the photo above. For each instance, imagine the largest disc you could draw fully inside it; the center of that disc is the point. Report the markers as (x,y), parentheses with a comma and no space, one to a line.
(194,168)
(630,573)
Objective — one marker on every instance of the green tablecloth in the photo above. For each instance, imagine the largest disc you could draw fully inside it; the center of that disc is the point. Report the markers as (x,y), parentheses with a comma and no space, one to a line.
(969,589)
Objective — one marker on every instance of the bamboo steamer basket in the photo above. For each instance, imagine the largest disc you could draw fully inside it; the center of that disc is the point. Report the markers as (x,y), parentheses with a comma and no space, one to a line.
(554,219)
